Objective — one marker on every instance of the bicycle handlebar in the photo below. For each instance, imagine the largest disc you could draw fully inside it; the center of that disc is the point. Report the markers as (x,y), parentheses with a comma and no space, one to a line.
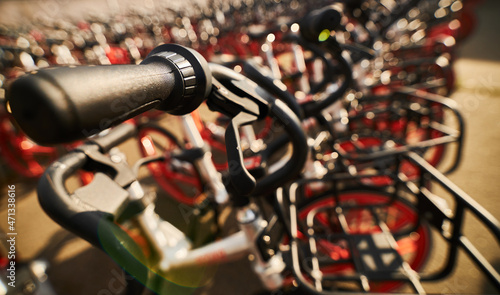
(64,104)
(255,73)
(89,212)
(315,22)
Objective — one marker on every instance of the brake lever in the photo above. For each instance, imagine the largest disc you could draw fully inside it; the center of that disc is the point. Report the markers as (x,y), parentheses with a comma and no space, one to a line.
(243,110)
(240,177)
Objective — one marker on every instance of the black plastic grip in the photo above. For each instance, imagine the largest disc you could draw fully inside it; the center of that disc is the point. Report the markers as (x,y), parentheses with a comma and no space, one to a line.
(311,26)
(64,104)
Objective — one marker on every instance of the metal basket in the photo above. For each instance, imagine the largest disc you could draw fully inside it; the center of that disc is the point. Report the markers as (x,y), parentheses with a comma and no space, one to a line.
(377,239)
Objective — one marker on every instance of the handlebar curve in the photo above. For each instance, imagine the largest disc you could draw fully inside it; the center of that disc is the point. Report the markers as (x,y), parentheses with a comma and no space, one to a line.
(94,226)
(63,207)
(298,140)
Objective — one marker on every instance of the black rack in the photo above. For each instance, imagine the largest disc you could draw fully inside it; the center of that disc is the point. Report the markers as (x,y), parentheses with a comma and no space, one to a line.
(378,239)
(369,226)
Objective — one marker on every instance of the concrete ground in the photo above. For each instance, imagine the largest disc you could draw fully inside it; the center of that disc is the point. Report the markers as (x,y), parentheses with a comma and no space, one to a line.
(76,268)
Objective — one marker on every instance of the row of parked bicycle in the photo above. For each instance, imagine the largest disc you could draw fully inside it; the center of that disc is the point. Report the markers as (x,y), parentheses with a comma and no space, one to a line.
(414,50)
(332,128)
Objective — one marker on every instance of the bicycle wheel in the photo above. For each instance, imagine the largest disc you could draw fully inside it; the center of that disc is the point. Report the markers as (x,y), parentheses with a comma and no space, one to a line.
(179,179)
(361,209)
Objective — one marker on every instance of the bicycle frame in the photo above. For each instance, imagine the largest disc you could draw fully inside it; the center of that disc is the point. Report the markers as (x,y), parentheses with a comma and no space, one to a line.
(205,165)
(171,245)
(175,249)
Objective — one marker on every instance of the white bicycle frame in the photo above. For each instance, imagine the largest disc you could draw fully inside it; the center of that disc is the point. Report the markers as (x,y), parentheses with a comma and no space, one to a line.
(175,249)
(205,165)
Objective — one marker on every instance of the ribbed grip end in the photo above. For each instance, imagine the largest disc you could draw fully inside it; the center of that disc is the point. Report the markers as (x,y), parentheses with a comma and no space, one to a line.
(192,70)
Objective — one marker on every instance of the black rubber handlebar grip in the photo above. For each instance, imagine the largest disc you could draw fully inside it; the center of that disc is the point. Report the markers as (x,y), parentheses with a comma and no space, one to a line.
(64,104)
(311,26)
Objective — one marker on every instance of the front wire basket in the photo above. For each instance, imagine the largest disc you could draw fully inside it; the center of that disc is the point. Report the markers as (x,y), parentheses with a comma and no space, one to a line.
(374,239)
(380,127)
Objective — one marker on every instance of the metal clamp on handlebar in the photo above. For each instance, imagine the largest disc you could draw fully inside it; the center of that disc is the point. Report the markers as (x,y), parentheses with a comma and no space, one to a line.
(233,94)
(94,211)
(112,178)
(88,214)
